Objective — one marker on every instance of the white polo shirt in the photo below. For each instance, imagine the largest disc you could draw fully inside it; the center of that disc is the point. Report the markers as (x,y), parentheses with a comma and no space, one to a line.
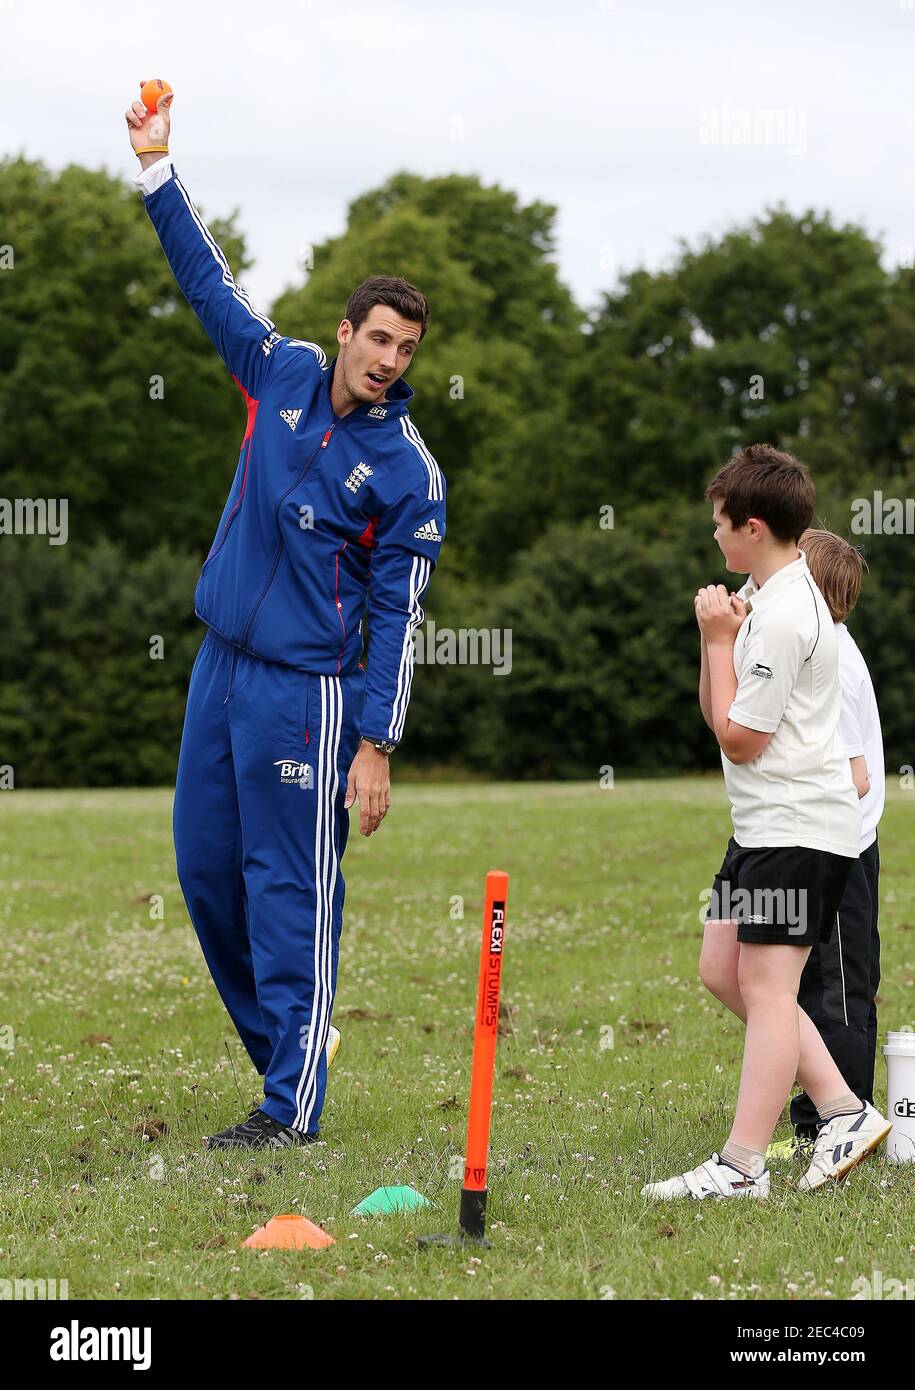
(859,729)
(799,790)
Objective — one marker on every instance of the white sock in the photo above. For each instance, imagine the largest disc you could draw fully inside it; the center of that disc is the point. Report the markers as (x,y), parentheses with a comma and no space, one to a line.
(848,1104)
(750,1162)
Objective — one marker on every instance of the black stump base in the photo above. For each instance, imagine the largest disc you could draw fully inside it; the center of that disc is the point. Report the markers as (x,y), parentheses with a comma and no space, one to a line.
(471,1221)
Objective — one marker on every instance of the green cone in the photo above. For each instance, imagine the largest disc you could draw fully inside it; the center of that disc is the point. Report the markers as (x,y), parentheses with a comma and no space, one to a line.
(387,1199)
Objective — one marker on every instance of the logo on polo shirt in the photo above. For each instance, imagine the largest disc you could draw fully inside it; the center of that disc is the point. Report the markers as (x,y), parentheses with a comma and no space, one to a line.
(292,418)
(428,532)
(378,412)
(757,669)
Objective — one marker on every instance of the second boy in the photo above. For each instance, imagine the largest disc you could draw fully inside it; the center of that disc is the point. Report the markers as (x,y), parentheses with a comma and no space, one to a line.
(769,690)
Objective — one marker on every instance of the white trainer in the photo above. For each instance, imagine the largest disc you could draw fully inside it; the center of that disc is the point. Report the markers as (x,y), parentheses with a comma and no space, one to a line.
(713,1178)
(842,1143)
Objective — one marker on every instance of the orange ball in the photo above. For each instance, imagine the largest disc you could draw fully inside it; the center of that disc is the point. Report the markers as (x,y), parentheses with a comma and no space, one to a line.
(151,91)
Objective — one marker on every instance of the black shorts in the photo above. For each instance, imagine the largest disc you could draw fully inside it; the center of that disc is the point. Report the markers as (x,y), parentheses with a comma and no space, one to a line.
(787,895)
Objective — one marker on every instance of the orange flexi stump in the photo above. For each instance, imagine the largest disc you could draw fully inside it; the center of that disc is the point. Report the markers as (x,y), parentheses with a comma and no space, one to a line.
(472,1214)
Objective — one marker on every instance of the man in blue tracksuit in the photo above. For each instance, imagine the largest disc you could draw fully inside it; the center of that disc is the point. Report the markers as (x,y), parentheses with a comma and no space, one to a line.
(337,507)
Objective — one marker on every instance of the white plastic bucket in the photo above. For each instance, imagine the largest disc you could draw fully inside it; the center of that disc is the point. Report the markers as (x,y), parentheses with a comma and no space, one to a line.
(899,1051)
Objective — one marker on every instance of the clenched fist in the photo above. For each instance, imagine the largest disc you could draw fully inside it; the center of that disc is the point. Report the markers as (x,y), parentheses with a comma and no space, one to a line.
(719,614)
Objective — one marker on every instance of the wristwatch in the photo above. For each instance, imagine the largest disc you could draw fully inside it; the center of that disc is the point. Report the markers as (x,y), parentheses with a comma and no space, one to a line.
(380,743)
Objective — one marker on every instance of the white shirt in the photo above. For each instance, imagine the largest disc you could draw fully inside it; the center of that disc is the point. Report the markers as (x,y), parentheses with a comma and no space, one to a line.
(859,729)
(154,175)
(799,790)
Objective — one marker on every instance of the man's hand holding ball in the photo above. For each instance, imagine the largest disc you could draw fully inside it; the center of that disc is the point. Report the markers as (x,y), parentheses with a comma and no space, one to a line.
(148,122)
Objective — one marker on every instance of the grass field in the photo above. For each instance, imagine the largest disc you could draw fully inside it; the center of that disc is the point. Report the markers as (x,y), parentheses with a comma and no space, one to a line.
(614,1065)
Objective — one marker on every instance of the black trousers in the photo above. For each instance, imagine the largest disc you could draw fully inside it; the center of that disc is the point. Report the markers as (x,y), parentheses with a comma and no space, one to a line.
(839,987)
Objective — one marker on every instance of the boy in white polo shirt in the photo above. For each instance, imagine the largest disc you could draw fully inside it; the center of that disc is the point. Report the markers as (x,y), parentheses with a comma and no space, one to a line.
(769,690)
(840,980)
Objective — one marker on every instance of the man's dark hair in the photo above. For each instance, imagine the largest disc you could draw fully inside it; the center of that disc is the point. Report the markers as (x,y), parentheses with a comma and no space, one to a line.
(396,293)
(767,483)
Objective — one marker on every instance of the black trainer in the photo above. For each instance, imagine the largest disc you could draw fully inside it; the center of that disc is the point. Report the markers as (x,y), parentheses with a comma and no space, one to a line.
(259,1131)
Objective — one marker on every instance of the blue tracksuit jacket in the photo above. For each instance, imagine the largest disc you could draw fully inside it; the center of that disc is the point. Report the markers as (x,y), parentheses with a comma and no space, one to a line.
(326,519)
(325,516)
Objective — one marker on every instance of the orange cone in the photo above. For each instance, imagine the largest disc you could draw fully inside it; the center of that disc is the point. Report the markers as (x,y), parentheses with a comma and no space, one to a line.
(289,1232)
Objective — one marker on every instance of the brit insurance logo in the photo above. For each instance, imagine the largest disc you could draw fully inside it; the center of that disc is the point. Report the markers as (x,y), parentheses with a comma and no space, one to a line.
(358,476)
(378,412)
(295,774)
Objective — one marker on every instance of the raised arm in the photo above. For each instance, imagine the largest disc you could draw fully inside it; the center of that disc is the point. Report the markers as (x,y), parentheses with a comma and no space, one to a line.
(243,337)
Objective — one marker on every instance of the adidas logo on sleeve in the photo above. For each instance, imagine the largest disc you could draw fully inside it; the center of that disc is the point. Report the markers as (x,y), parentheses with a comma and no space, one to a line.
(428,532)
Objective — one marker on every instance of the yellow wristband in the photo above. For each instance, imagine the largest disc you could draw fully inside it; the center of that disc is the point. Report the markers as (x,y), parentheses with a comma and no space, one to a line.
(152,149)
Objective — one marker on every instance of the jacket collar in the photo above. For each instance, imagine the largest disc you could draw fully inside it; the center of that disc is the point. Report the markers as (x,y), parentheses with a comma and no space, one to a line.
(398,398)
(758,596)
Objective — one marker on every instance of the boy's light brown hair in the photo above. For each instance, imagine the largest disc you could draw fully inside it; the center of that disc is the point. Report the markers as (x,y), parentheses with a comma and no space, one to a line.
(836,567)
(767,483)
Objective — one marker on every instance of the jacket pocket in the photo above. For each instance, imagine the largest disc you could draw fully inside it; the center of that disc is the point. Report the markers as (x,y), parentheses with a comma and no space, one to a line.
(226,526)
(221,539)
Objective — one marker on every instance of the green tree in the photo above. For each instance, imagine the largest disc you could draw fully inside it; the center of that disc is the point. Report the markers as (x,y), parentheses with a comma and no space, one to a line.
(492,376)
(604,654)
(96,650)
(788,330)
(89,313)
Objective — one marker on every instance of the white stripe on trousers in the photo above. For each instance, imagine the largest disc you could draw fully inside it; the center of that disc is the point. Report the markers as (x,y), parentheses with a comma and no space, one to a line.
(327,783)
(420,572)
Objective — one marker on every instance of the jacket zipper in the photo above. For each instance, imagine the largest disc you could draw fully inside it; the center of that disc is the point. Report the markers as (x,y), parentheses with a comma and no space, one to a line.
(282,545)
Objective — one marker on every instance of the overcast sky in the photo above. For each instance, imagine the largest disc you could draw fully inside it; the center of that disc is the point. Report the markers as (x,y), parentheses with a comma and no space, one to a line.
(630,115)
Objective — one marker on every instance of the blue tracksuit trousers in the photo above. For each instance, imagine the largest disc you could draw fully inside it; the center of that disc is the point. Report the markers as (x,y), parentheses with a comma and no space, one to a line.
(260,831)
